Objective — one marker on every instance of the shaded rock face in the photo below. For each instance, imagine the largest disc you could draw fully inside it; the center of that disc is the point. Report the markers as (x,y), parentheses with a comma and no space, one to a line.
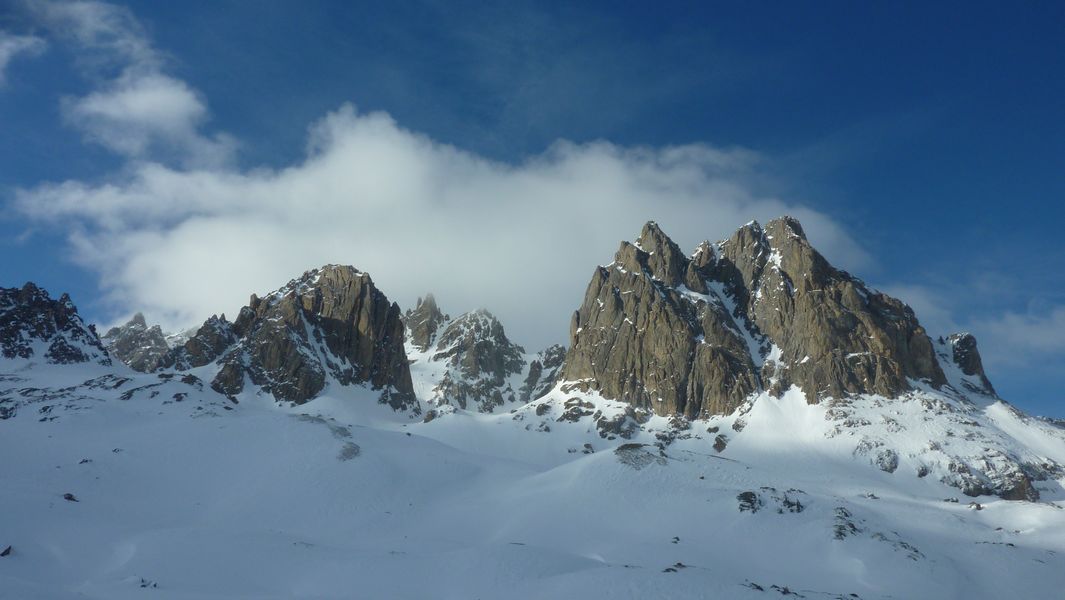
(208,343)
(424,322)
(330,323)
(762,310)
(33,325)
(544,372)
(141,347)
(481,360)
(965,355)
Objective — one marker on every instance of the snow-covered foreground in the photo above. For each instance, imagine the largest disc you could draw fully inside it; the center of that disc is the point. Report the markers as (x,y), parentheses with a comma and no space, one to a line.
(180,493)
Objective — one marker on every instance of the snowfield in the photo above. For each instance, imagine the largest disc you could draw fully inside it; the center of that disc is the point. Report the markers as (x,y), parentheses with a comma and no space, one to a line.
(178,492)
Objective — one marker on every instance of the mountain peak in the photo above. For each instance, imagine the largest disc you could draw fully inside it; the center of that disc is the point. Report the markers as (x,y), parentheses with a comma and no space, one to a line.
(332,323)
(141,347)
(33,325)
(767,312)
(785,226)
(423,322)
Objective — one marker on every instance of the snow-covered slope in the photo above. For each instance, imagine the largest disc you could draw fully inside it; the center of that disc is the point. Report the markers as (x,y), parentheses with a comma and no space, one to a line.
(121,484)
(178,492)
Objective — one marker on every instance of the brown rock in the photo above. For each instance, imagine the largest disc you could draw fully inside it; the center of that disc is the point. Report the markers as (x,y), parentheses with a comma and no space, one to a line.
(331,322)
(761,310)
(424,322)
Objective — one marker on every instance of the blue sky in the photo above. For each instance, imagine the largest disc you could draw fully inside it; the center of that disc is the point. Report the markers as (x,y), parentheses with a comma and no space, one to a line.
(923,145)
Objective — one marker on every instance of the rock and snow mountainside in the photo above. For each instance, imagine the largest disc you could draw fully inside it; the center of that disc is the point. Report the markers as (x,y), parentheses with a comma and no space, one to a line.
(468,362)
(289,453)
(143,348)
(760,311)
(35,327)
(330,325)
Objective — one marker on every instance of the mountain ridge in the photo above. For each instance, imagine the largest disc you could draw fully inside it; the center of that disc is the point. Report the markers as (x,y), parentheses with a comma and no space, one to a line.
(323,410)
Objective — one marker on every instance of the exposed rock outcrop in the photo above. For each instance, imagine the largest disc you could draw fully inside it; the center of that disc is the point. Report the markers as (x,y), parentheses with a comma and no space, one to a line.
(208,343)
(481,361)
(423,323)
(966,356)
(544,372)
(141,347)
(330,323)
(34,326)
(469,362)
(762,310)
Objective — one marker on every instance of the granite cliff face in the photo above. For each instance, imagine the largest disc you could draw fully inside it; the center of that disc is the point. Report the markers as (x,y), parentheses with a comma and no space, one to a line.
(331,323)
(34,327)
(763,310)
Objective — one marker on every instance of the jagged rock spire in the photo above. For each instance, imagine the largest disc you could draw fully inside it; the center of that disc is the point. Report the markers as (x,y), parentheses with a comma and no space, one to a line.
(760,310)
(423,322)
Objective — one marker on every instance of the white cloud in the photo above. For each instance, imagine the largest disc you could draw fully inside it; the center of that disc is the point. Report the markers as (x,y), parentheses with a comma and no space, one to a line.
(1027,338)
(14,45)
(137,115)
(106,35)
(521,240)
(137,109)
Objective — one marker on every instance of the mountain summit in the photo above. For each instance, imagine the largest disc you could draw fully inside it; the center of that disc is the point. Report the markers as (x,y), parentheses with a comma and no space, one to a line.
(760,311)
(331,324)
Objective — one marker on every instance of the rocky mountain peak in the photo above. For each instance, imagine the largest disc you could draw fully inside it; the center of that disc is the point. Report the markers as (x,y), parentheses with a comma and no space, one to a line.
(477,343)
(331,323)
(206,344)
(965,355)
(659,255)
(141,347)
(423,322)
(33,325)
(469,362)
(762,310)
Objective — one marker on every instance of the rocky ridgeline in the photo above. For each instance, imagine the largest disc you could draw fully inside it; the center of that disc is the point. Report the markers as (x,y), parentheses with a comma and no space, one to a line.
(480,367)
(661,339)
(34,326)
(330,323)
(761,311)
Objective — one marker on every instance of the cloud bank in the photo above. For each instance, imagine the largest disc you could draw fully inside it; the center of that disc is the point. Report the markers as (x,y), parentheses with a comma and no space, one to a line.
(179,233)
(419,216)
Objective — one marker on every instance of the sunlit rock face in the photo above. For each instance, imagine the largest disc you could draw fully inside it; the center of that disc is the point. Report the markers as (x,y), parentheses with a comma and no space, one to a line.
(762,310)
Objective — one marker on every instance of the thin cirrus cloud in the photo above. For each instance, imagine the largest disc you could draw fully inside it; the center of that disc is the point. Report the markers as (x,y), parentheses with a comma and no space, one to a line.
(12,46)
(136,110)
